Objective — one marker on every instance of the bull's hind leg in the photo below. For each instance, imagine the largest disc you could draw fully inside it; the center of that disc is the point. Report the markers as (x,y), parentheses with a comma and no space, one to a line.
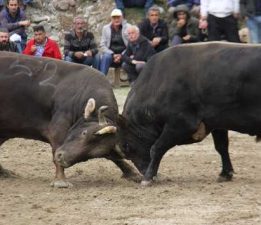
(221,142)
(4,173)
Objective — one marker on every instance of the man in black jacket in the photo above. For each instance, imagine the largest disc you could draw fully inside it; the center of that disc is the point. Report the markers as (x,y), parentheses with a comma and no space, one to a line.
(155,29)
(137,53)
(79,44)
(5,43)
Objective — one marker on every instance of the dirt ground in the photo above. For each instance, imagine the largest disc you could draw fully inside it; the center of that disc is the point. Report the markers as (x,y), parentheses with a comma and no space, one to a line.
(186,191)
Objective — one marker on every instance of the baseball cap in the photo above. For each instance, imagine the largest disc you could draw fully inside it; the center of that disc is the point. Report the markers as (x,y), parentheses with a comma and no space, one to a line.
(116,12)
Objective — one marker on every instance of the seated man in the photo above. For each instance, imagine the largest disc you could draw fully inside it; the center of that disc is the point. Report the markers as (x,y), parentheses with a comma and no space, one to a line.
(121,4)
(79,44)
(138,51)
(40,45)
(5,44)
(184,28)
(14,19)
(155,29)
(114,40)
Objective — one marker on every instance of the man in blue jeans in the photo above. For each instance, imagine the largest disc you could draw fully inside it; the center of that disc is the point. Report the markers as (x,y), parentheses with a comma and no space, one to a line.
(121,4)
(251,12)
(114,41)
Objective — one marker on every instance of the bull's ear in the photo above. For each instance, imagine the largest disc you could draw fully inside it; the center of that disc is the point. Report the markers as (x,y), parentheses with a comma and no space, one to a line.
(89,108)
(122,121)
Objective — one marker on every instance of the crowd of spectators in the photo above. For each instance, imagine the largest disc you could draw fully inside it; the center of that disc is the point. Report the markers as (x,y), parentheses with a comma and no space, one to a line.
(130,46)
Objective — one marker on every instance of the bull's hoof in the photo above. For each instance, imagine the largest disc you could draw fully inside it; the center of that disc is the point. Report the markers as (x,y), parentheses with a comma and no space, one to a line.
(146,183)
(4,173)
(132,177)
(224,177)
(61,184)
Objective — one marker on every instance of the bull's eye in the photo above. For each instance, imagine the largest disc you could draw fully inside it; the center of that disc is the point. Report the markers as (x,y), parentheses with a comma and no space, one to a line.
(84,132)
(126,147)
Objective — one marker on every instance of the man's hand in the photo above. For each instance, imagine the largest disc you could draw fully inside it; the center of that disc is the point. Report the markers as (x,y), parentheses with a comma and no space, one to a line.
(155,41)
(33,48)
(117,58)
(88,53)
(186,38)
(25,23)
(135,62)
(79,55)
(181,23)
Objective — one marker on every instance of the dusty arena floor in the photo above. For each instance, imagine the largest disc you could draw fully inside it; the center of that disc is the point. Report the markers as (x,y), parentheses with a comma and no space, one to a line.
(186,191)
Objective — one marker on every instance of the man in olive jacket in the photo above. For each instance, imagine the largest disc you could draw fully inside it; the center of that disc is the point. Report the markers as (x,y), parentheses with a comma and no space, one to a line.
(184,28)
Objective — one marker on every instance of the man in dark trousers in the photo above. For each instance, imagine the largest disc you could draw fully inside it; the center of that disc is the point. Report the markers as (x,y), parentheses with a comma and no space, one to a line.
(221,19)
(138,52)
(155,29)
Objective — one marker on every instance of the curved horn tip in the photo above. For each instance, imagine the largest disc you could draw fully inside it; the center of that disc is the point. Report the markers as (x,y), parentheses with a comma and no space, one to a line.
(107,130)
(103,107)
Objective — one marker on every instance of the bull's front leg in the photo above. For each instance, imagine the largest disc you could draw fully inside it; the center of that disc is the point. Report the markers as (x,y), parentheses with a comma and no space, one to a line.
(157,151)
(57,132)
(60,179)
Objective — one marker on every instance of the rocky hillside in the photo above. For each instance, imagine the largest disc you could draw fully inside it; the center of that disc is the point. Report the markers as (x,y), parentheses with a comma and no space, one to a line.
(57,15)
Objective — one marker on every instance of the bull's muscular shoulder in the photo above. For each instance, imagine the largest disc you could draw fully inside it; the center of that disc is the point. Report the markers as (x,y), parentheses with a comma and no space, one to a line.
(54,80)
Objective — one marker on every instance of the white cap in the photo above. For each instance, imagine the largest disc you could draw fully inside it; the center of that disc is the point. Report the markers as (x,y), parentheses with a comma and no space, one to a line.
(116,12)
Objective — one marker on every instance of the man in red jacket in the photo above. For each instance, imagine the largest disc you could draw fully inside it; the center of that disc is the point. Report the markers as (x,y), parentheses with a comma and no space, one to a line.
(41,45)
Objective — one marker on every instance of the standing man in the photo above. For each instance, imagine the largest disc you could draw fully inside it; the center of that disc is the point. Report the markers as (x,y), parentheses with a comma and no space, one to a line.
(14,19)
(220,17)
(41,45)
(79,44)
(138,52)
(114,40)
(155,29)
(121,4)
(251,12)
(5,44)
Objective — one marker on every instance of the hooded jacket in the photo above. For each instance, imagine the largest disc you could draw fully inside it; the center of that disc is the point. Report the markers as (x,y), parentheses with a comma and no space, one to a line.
(191,25)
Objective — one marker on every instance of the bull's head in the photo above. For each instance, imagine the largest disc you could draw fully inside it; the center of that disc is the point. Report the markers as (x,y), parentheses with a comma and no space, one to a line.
(91,137)
(135,142)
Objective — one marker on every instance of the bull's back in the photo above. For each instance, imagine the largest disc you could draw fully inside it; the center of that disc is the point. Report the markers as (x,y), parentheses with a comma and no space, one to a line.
(207,75)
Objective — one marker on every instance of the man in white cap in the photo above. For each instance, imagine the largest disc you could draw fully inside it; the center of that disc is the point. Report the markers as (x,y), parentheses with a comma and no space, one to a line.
(114,40)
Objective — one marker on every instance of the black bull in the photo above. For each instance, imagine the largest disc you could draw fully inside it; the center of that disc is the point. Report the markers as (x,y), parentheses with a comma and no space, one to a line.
(184,93)
(46,99)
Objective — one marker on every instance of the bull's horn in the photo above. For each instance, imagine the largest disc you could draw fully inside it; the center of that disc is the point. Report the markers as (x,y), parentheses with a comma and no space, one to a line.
(107,130)
(89,108)
(101,117)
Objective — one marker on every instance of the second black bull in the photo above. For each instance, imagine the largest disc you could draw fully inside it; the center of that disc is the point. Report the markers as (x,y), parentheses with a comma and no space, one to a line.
(182,95)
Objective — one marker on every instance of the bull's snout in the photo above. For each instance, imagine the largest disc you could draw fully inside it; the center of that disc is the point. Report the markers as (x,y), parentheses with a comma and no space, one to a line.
(59,158)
